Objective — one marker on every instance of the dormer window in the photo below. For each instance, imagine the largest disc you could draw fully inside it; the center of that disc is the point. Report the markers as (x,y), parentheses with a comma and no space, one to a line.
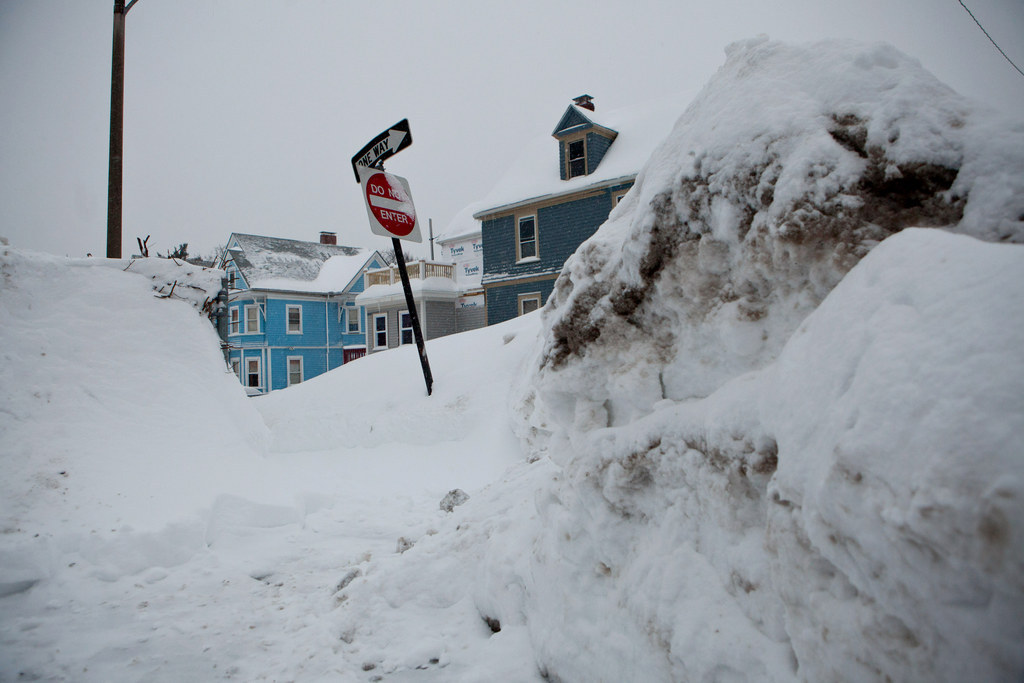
(576,157)
(582,142)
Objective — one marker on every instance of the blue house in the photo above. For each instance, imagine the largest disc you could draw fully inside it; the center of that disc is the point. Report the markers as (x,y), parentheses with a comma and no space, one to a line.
(555,196)
(292,312)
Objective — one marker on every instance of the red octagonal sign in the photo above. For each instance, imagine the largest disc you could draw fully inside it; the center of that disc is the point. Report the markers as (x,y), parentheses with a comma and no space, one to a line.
(389,203)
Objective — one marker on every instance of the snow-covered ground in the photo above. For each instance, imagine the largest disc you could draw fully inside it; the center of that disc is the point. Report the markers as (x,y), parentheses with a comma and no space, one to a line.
(766,430)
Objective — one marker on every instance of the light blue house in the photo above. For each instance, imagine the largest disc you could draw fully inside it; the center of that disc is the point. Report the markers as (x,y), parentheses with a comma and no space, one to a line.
(292,313)
(556,195)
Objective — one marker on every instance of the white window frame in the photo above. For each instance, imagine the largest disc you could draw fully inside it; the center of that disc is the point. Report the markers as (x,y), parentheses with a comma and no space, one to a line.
(259,372)
(375,332)
(617,197)
(519,239)
(232,279)
(255,308)
(288,318)
(524,298)
(236,367)
(350,312)
(288,369)
(234,322)
(403,329)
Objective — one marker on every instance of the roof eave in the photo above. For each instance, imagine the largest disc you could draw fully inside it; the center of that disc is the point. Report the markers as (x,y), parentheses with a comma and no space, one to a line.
(554,195)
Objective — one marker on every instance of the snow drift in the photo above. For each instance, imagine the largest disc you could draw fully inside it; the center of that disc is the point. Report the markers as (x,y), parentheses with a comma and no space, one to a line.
(845,503)
(772,420)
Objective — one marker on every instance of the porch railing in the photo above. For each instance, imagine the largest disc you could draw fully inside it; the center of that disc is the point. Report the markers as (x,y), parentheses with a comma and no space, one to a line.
(416,269)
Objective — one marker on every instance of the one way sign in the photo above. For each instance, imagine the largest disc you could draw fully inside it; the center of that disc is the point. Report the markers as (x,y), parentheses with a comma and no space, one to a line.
(387,144)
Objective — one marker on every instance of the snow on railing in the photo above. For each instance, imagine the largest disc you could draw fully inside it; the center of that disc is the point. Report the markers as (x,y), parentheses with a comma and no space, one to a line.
(416,269)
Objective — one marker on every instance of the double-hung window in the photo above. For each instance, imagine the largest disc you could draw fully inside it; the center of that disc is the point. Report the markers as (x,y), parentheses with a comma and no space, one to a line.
(234,322)
(252,319)
(380,331)
(352,320)
(576,157)
(405,327)
(294,370)
(252,372)
(526,238)
(294,319)
(528,303)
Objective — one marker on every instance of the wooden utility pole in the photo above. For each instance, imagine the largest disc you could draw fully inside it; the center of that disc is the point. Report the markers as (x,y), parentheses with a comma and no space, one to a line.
(116,128)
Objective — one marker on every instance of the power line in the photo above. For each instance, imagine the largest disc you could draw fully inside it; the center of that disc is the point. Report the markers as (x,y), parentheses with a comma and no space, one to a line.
(990,38)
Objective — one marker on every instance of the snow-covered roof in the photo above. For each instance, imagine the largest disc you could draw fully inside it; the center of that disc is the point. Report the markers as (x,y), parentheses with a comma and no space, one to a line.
(536,175)
(433,288)
(295,265)
(463,225)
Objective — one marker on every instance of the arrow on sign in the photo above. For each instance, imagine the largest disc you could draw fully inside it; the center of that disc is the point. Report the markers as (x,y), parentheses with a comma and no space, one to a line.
(386,144)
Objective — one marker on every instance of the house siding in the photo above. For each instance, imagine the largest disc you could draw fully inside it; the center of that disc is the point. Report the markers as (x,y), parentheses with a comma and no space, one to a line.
(470,312)
(503,300)
(440,319)
(597,147)
(561,228)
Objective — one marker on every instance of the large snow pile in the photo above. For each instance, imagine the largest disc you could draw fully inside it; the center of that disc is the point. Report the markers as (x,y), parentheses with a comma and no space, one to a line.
(157,525)
(857,506)
(750,462)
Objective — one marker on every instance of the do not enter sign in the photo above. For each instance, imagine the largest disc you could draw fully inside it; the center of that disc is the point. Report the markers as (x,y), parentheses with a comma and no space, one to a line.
(389,205)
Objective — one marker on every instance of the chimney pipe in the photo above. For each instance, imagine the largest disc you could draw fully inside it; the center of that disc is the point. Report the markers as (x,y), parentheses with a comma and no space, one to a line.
(584,102)
(328,238)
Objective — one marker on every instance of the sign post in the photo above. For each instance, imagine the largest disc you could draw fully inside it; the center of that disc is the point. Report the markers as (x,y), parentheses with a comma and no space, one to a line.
(392,214)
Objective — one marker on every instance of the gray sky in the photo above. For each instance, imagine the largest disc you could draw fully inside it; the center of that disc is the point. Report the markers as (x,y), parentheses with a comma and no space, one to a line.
(242,115)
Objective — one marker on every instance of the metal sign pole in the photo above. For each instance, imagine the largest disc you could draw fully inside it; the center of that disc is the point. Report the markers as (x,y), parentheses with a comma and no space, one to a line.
(413,315)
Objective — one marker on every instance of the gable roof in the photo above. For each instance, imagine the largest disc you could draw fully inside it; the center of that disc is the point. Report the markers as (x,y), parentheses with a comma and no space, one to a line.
(574,117)
(535,174)
(295,265)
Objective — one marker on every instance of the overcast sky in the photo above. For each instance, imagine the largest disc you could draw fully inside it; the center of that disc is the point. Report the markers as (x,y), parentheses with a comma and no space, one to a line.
(243,115)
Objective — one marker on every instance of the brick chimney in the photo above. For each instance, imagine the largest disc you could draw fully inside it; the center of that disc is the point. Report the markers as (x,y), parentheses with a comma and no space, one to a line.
(328,238)
(584,101)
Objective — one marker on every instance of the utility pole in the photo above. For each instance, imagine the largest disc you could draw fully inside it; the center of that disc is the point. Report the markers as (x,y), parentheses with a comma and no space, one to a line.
(116,128)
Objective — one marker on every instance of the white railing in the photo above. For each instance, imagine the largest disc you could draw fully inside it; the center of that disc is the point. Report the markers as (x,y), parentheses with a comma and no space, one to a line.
(416,269)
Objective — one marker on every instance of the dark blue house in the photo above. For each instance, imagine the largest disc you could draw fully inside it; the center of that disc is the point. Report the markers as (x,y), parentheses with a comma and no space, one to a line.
(556,195)
(292,312)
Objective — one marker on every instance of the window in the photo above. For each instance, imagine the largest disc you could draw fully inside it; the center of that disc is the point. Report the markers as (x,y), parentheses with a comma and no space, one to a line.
(234,322)
(528,303)
(236,367)
(405,327)
(252,319)
(380,331)
(231,280)
(617,197)
(576,157)
(294,319)
(527,238)
(352,320)
(294,370)
(252,372)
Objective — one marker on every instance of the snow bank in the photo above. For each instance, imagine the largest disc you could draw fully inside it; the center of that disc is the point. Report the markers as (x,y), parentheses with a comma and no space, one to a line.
(109,382)
(756,456)
(159,525)
(853,511)
(849,513)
